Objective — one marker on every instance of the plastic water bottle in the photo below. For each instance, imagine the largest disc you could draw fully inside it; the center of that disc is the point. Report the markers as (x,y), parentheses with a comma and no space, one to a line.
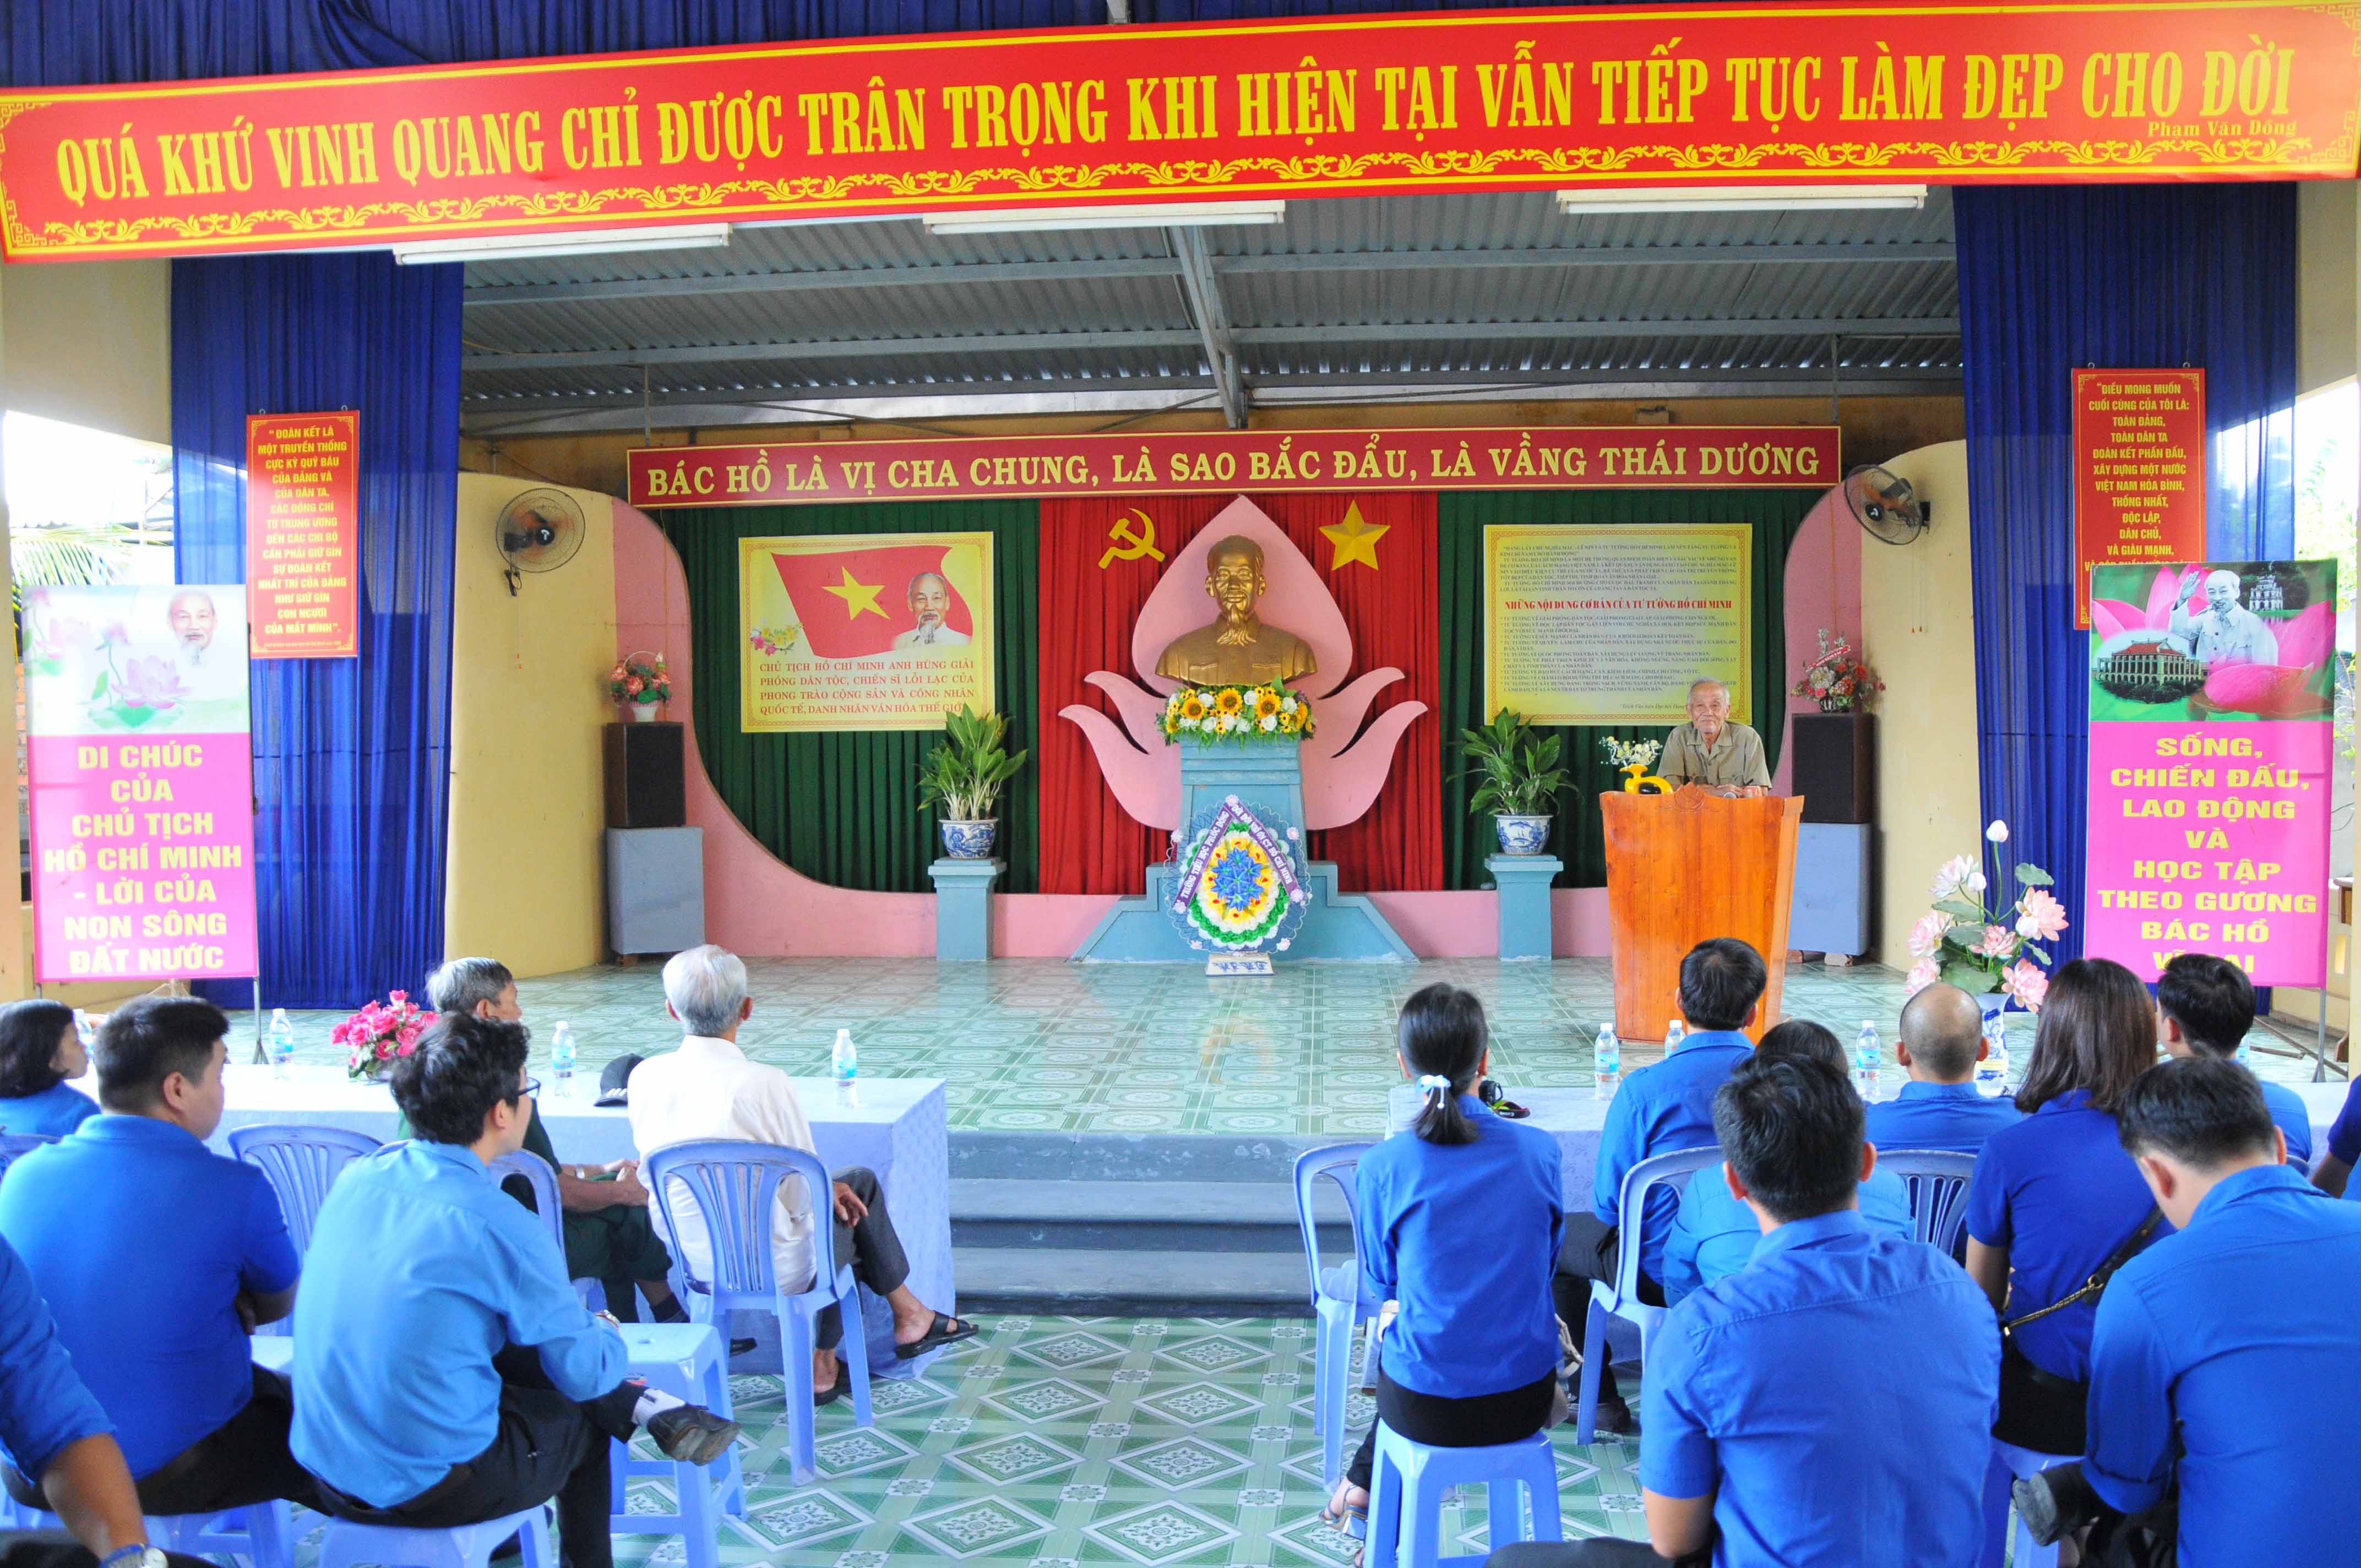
(1868,1058)
(1606,1055)
(1675,1033)
(1991,1073)
(562,1057)
(2246,1056)
(844,1060)
(283,1042)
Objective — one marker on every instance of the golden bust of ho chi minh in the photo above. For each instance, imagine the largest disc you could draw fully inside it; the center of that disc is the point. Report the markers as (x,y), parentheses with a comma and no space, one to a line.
(1235,649)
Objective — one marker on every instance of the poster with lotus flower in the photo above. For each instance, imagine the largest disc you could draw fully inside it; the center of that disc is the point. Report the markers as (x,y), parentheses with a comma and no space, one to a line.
(140,777)
(2212,693)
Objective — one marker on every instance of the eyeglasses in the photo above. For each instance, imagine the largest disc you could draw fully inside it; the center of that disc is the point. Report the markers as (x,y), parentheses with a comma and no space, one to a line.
(531,1087)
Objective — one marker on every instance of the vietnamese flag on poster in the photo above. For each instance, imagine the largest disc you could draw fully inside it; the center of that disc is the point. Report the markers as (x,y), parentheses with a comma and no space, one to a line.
(858,602)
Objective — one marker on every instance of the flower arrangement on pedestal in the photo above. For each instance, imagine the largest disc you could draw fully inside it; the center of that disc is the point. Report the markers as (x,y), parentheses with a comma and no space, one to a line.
(1259,714)
(379,1034)
(1965,940)
(1634,758)
(640,681)
(1839,680)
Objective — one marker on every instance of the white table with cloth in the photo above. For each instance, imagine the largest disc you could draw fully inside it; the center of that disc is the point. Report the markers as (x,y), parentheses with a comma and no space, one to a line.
(896,1127)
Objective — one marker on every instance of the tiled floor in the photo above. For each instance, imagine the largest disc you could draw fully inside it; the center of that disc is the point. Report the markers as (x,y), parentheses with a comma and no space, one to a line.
(1043,1045)
(1051,1443)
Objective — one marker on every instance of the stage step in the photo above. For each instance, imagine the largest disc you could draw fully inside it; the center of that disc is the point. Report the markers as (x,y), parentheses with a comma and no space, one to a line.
(1134,1284)
(1137,1216)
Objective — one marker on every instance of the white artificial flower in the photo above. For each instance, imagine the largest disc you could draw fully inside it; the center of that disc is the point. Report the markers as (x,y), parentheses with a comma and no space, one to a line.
(1976,883)
(1953,876)
(1998,832)
(1269,723)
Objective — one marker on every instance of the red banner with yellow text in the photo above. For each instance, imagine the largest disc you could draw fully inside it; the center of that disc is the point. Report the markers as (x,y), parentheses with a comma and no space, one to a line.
(1744,93)
(1614,457)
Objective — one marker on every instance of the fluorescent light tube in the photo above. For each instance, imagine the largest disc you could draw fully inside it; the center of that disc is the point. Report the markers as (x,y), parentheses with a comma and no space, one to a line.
(1745,199)
(1068,219)
(585,242)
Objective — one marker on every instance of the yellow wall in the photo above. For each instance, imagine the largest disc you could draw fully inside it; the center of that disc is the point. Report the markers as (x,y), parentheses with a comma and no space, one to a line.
(89,342)
(1919,631)
(528,704)
(2328,282)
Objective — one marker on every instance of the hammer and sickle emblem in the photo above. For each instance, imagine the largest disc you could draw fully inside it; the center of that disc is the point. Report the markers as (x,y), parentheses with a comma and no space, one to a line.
(1128,546)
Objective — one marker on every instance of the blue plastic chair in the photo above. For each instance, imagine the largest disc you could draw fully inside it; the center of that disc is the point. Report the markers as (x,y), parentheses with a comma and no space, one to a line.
(349,1544)
(542,1177)
(1409,1481)
(1340,1303)
(264,1534)
(1936,1180)
(302,1163)
(688,1361)
(15,1145)
(1622,1298)
(735,1186)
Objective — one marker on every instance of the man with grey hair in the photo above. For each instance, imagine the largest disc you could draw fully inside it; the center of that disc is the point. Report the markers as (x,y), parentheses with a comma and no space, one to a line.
(2224,632)
(608,1234)
(708,1089)
(1711,751)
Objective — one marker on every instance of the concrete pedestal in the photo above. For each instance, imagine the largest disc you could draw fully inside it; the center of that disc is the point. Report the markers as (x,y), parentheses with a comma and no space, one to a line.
(963,908)
(1524,884)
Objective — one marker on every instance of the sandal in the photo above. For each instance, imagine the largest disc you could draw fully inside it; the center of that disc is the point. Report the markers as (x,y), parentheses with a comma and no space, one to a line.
(833,1392)
(943,1331)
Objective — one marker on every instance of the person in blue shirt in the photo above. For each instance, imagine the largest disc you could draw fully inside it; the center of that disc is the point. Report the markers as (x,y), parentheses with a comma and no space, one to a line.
(2335,1166)
(1456,1220)
(1940,1042)
(2204,1005)
(158,1256)
(445,1372)
(55,1434)
(40,1049)
(1715,1235)
(2222,1354)
(2055,1197)
(1826,1406)
(1660,1109)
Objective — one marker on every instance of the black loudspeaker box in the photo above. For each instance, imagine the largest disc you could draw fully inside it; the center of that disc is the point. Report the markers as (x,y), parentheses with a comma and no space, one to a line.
(1836,766)
(643,777)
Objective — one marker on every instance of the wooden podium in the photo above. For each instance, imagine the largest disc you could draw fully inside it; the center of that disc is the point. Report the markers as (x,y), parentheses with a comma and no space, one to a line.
(1685,867)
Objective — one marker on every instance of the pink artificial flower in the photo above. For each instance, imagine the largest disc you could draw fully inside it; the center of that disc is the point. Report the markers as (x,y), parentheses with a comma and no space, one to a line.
(2043,918)
(2026,983)
(397,997)
(1926,937)
(408,1048)
(1922,974)
(151,683)
(1953,876)
(1999,942)
(632,687)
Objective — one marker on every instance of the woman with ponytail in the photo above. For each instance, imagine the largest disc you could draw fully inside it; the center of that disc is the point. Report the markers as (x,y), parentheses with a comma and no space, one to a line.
(1458,1223)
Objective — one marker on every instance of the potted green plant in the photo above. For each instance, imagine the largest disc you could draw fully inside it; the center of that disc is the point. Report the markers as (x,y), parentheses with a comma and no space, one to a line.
(1520,779)
(963,777)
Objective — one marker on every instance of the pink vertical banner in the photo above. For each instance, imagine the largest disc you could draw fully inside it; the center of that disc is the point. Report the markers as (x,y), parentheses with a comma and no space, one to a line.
(141,777)
(2212,737)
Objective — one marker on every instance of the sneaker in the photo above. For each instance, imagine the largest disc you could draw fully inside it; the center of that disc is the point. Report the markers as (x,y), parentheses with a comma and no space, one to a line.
(1615,1419)
(691,1434)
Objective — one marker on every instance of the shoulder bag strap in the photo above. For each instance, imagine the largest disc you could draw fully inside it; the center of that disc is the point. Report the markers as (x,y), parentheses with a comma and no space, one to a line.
(2092,1286)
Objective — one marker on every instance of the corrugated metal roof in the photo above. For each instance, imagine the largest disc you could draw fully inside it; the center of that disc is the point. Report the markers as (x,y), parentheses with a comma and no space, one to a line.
(1374,294)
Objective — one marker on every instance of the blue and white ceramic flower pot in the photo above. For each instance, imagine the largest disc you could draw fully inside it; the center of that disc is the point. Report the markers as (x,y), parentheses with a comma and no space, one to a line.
(1521,835)
(970,840)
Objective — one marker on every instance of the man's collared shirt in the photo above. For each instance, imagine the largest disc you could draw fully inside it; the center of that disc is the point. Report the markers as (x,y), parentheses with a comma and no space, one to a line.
(43,1405)
(1939,1116)
(1836,1398)
(1735,757)
(2344,1133)
(2237,636)
(1475,1315)
(2060,1194)
(2232,1345)
(1716,1233)
(420,1270)
(51,1114)
(1660,1109)
(708,1089)
(140,1239)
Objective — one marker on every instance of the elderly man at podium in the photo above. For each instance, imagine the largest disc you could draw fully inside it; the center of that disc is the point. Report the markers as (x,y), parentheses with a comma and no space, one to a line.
(1712,752)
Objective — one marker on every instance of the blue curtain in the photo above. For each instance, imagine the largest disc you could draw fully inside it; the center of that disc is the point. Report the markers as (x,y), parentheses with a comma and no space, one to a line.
(2055,277)
(351,756)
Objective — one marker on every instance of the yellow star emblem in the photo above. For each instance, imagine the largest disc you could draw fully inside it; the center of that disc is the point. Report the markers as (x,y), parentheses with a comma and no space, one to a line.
(860,598)
(1355,539)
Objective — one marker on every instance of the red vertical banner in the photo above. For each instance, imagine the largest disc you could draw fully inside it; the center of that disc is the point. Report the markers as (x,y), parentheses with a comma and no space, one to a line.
(1100,558)
(303,532)
(2139,472)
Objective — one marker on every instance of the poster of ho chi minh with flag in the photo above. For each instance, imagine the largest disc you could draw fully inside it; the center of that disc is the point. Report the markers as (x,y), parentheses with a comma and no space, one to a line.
(863,631)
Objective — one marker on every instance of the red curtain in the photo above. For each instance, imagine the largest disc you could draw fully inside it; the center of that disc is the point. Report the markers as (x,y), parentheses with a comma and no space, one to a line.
(1088,843)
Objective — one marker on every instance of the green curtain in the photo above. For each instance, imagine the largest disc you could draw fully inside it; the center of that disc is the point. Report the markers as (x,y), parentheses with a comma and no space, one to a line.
(843,807)
(1461,517)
